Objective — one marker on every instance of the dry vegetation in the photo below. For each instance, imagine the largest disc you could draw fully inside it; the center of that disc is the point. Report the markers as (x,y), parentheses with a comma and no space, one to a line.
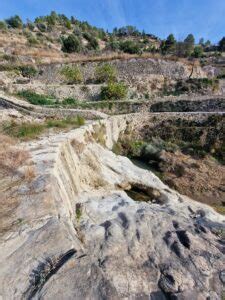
(11,158)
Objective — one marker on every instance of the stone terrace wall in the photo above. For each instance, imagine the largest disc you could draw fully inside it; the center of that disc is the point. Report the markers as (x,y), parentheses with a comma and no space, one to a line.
(129,69)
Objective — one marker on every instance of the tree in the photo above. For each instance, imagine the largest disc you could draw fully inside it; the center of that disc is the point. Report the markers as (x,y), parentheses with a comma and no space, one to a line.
(221,45)
(71,44)
(190,40)
(189,44)
(202,42)
(169,44)
(207,43)
(198,52)
(180,50)
(73,20)
(15,22)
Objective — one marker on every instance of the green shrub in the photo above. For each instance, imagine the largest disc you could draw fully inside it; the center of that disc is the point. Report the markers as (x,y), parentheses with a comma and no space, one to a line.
(72,74)
(93,44)
(105,73)
(3,25)
(69,101)
(80,121)
(32,40)
(36,99)
(68,24)
(42,27)
(92,41)
(114,91)
(30,25)
(28,71)
(78,211)
(221,76)
(15,22)
(130,47)
(113,45)
(71,44)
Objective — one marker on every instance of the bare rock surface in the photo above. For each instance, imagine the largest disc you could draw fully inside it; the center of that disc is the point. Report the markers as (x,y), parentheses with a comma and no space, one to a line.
(76,234)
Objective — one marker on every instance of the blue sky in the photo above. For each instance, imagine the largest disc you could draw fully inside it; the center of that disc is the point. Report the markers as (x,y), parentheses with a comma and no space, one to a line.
(203,18)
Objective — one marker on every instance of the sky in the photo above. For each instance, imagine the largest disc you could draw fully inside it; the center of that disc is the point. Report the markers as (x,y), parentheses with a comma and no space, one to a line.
(203,18)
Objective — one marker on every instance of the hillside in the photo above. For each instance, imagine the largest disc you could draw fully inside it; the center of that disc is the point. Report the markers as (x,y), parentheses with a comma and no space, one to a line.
(112,163)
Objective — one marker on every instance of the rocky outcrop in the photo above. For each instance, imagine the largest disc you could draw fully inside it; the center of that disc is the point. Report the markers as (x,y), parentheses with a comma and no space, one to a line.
(74,232)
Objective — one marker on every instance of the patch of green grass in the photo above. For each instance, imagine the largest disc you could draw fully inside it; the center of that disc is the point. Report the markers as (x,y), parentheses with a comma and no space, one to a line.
(70,102)
(78,211)
(26,131)
(64,123)
(36,99)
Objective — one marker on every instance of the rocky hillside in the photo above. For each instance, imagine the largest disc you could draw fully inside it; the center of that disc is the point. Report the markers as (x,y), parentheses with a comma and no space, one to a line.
(70,230)
(112,166)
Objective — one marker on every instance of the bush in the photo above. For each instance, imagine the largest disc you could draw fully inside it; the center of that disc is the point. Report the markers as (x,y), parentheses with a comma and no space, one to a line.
(72,74)
(15,22)
(80,120)
(42,27)
(221,45)
(3,25)
(113,45)
(71,44)
(130,47)
(32,40)
(93,44)
(114,91)
(28,71)
(105,73)
(36,99)
(68,24)
(69,101)
(92,41)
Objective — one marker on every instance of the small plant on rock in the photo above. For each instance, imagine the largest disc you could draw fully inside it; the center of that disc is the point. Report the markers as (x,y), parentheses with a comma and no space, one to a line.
(114,91)
(105,73)
(72,74)
(28,71)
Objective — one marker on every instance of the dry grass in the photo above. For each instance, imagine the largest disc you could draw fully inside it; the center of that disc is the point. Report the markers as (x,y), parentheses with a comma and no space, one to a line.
(11,158)
(29,173)
(8,206)
(55,57)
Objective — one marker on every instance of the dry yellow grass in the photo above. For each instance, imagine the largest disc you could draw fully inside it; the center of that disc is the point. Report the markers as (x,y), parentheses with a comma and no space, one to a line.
(11,158)
(29,173)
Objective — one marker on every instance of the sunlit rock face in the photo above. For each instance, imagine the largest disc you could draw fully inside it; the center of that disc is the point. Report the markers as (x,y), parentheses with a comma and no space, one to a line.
(76,234)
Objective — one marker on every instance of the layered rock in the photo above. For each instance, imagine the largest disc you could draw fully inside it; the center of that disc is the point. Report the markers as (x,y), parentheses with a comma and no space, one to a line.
(76,234)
